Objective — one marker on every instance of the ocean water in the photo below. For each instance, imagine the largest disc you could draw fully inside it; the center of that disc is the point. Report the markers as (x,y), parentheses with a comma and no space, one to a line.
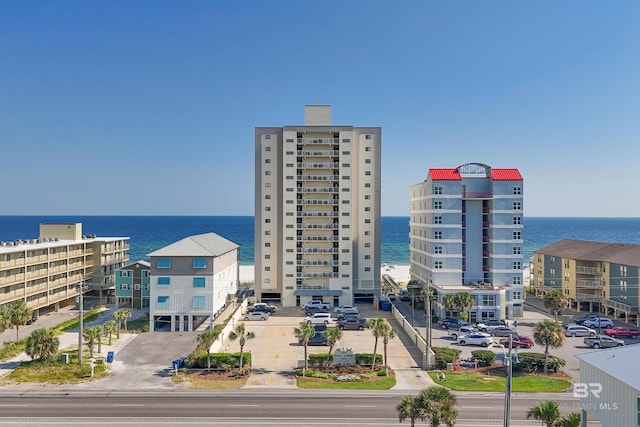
(149,233)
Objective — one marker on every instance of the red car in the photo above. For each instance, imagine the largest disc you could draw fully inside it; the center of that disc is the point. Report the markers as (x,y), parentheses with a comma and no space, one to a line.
(518,342)
(623,332)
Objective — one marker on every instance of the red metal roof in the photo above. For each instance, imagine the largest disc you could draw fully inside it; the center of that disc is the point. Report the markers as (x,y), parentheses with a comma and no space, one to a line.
(505,175)
(444,174)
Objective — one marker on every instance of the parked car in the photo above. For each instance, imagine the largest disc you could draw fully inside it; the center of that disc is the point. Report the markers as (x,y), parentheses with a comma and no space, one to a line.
(318,303)
(404,295)
(487,325)
(579,331)
(256,315)
(262,306)
(518,341)
(464,330)
(452,323)
(319,318)
(502,331)
(623,332)
(348,314)
(603,341)
(581,320)
(317,339)
(475,339)
(342,308)
(599,322)
(391,296)
(315,309)
(352,323)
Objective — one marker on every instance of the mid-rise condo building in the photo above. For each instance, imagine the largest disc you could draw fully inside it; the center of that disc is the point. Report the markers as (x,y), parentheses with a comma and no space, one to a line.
(466,235)
(317,211)
(47,271)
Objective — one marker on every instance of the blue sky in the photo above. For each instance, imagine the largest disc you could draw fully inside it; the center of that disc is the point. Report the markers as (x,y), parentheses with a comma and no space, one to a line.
(149,107)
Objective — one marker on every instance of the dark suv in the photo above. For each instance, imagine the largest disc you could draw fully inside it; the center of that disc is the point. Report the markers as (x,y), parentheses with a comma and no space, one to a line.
(452,323)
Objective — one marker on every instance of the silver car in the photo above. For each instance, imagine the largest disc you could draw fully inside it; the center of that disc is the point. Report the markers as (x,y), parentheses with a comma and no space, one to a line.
(579,331)
(256,315)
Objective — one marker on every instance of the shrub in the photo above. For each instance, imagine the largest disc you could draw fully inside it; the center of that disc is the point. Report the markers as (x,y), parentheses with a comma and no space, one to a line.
(367,358)
(319,359)
(485,357)
(219,360)
(445,355)
(534,362)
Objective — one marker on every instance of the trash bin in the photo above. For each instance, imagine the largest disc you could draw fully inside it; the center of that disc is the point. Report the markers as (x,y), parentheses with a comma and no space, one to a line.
(65,358)
(110,357)
(386,306)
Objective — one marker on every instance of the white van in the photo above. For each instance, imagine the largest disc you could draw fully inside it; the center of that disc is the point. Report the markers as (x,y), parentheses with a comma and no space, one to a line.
(319,318)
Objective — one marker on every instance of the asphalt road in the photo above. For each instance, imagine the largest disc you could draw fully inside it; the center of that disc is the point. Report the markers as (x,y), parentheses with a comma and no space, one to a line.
(246,407)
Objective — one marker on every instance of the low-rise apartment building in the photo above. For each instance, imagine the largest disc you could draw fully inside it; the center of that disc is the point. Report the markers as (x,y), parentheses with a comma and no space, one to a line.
(133,285)
(192,280)
(47,271)
(596,276)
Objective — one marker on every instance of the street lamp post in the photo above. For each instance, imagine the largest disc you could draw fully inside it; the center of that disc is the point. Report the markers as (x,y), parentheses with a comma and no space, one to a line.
(81,306)
(507,389)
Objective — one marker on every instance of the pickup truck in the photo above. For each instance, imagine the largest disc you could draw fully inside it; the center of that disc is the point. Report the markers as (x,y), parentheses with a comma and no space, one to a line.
(451,323)
(317,304)
(623,332)
(262,306)
(603,341)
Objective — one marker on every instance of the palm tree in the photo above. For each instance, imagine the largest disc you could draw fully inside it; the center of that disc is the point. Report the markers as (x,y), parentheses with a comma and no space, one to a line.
(122,315)
(438,404)
(570,420)
(555,301)
(459,300)
(19,314)
(548,334)
(304,333)
(206,340)
(92,335)
(5,319)
(547,412)
(42,344)
(239,332)
(376,325)
(449,302)
(410,408)
(108,327)
(332,335)
(387,333)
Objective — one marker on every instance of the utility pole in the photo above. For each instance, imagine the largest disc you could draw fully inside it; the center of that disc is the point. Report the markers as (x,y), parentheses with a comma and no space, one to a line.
(507,388)
(81,305)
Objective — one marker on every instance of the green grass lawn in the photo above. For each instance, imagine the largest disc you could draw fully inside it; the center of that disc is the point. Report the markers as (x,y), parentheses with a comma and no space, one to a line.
(385,383)
(474,381)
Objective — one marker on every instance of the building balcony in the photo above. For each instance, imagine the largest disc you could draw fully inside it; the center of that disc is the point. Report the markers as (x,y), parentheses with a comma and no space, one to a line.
(485,210)
(477,195)
(485,238)
(319,190)
(619,306)
(588,297)
(318,165)
(323,153)
(317,250)
(312,287)
(590,284)
(318,214)
(316,177)
(318,263)
(485,268)
(588,270)
(329,226)
(300,275)
(485,254)
(317,202)
(318,141)
(485,224)
(318,238)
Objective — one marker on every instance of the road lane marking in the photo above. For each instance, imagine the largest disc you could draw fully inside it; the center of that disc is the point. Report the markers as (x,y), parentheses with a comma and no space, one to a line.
(241,405)
(359,406)
(12,405)
(125,405)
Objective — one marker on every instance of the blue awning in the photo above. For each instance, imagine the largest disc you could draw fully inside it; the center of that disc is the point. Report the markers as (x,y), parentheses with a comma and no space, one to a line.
(312,292)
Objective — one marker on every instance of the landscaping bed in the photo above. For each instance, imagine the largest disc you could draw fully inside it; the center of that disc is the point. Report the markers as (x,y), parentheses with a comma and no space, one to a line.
(212,379)
(346,377)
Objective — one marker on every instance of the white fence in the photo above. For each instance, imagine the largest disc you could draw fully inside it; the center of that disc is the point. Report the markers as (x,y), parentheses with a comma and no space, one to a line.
(416,338)
(237,314)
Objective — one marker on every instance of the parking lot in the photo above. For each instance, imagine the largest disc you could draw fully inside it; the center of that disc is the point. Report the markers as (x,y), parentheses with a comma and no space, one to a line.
(276,352)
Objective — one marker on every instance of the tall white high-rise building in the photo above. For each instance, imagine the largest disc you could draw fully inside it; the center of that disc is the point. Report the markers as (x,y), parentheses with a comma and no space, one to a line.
(466,235)
(317,211)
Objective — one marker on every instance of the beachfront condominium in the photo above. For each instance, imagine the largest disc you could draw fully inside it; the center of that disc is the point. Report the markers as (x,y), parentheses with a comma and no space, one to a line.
(594,276)
(47,271)
(466,236)
(317,211)
(192,280)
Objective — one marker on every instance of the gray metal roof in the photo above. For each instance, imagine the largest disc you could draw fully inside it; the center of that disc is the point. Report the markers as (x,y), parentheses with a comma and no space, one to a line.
(617,253)
(620,363)
(141,262)
(208,244)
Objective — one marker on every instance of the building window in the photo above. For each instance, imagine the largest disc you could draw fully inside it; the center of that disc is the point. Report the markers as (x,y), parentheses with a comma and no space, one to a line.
(367,137)
(267,233)
(437,235)
(125,273)
(437,190)
(267,220)
(367,160)
(124,286)
(164,281)
(488,300)
(199,282)
(267,160)
(267,173)
(437,205)
(517,265)
(267,148)
(516,280)
(367,185)
(517,191)
(267,137)
(267,185)
(367,209)
(199,263)
(367,148)
(367,173)
(367,257)
(517,206)
(367,269)
(366,233)
(136,287)
(437,250)
(367,197)
(267,196)
(437,219)
(517,250)
(517,220)
(367,221)
(517,235)
(367,245)
(198,301)
(267,269)
(163,302)
(163,263)
(267,256)
(267,209)
(437,265)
